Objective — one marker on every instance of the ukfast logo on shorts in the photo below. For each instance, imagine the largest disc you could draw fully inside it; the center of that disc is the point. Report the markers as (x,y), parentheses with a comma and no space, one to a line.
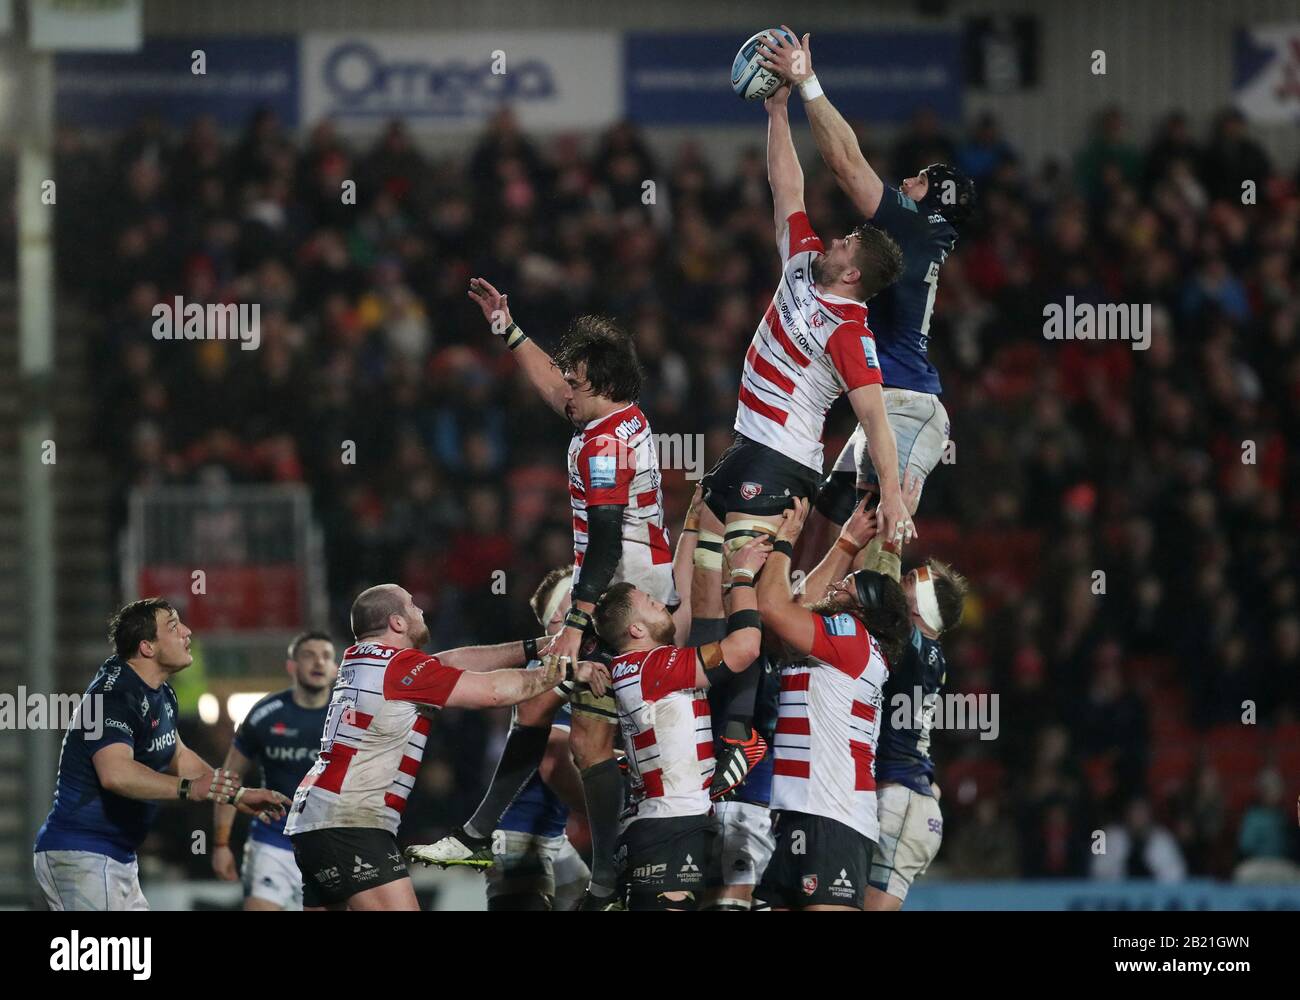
(109,954)
(649,871)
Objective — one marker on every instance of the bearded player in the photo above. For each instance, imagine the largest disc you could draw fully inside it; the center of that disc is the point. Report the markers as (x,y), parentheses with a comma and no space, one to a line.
(824,784)
(662,695)
(594,381)
(812,345)
(922,214)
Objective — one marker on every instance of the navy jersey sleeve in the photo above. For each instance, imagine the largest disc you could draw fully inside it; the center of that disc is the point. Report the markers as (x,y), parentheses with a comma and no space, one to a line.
(248,740)
(122,720)
(899,215)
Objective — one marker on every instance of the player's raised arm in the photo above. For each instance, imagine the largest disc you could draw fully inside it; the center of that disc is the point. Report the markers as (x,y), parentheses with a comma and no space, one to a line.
(718,661)
(784,173)
(868,403)
(835,139)
(854,536)
(781,612)
(536,363)
(684,566)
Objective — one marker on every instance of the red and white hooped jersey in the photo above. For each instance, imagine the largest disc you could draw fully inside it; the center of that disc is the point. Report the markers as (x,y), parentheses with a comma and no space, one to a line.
(374,738)
(614,460)
(809,348)
(828,724)
(667,730)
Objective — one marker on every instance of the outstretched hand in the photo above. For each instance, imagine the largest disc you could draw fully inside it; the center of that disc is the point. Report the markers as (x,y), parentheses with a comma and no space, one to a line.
(496,309)
(790,59)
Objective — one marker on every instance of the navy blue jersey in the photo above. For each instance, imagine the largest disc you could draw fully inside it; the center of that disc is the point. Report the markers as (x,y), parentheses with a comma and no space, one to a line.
(900,315)
(118,707)
(911,693)
(537,809)
(283,739)
(757,786)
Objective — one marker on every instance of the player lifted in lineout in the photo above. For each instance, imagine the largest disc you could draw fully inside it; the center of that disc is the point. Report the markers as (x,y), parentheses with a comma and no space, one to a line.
(594,381)
(812,345)
(922,214)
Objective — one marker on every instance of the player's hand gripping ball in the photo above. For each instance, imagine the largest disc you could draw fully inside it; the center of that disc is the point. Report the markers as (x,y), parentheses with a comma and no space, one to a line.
(750,80)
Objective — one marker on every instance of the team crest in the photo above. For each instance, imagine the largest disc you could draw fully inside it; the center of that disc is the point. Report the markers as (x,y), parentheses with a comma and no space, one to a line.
(750,490)
(809,884)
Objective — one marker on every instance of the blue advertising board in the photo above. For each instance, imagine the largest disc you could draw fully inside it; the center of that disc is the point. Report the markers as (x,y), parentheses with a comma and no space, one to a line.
(1193,894)
(685,79)
(114,90)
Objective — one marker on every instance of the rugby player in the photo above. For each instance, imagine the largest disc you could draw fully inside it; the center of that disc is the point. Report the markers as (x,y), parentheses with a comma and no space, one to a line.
(823,789)
(618,534)
(911,823)
(661,691)
(345,814)
(812,345)
(922,214)
(536,867)
(122,755)
(280,737)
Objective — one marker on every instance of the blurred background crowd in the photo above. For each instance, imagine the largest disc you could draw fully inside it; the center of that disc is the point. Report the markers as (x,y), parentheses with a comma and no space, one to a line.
(1127,518)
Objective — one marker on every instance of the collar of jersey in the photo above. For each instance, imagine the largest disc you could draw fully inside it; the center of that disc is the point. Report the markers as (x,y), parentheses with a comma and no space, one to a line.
(832,297)
(600,420)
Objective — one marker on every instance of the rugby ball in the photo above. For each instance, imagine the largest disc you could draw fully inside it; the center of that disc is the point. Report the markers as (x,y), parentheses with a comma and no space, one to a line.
(750,80)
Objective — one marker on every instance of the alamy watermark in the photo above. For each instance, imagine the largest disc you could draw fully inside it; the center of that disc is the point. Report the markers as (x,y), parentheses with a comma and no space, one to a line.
(32,710)
(181,320)
(1108,321)
(949,711)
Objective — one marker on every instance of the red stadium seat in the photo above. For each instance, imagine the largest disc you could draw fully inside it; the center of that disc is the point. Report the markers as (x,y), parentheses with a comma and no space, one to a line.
(1171,768)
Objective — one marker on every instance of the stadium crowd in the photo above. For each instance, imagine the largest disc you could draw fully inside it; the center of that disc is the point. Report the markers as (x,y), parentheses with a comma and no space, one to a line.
(1127,517)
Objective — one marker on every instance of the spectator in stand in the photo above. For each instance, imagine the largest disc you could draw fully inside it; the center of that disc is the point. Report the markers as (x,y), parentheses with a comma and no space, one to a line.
(1139,848)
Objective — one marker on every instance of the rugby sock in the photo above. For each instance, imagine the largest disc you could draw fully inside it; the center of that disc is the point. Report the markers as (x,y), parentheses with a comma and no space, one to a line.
(739,696)
(525,747)
(706,630)
(603,785)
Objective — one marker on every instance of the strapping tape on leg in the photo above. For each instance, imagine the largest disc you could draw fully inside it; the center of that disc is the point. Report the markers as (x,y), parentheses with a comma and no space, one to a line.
(708,551)
(740,532)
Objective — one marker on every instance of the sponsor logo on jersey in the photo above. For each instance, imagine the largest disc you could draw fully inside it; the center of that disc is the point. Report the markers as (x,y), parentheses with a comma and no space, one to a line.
(809,884)
(374,649)
(290,753)
(160,742)
(626,669)
(628,428)
(280,729)
(869,349)
(602,470)
(144,705)
(839,624)
(118,724)
(750,490)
